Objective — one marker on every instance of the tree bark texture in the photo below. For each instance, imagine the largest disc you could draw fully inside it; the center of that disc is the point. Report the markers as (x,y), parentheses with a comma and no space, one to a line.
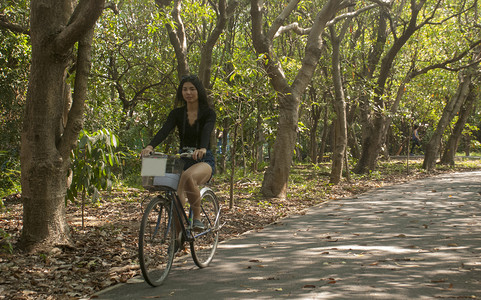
(315,118)
(340,125)
(324,135)
(48,136)
(277,174)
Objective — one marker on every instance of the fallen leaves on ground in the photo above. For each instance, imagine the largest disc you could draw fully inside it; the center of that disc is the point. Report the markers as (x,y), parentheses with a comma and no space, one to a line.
(105,250)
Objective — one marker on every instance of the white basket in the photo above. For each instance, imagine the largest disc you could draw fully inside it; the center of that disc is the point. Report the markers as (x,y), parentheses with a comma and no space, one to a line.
(161,172)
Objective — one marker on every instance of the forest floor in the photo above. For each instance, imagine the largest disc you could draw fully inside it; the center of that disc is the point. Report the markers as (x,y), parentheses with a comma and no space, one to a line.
(105,249)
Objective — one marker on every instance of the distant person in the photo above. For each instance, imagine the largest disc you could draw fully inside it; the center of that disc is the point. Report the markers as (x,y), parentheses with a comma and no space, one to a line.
(415,139)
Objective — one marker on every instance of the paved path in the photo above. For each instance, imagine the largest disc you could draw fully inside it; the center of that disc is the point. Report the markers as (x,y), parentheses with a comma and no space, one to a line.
(420,240)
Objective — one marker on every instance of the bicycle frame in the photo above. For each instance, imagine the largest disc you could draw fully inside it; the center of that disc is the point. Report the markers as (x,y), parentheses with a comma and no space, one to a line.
(183,219)
(181,215)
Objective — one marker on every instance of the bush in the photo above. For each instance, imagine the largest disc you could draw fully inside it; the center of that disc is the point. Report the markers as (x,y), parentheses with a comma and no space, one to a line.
(9,174)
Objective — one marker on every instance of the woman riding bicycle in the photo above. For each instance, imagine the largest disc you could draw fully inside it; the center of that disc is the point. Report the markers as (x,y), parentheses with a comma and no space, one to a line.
(194,121)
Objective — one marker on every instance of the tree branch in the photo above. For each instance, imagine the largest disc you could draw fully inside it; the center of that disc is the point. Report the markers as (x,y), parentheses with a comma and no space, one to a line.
(75,115)
(294,27)
(305,31)
(351,14)
(113,7)
(263,46)
(83,18)
(281,18)
(6,24)
(443,65)
(224,12)
(177,36)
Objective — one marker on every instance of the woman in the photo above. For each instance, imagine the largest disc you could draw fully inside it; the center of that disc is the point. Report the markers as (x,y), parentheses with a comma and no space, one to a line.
(194,121)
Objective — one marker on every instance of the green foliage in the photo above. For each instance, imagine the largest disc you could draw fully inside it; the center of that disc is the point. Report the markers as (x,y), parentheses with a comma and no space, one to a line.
(93,163)
(9,173)
(15,51)
(5,242)
(131,164)
(133,80)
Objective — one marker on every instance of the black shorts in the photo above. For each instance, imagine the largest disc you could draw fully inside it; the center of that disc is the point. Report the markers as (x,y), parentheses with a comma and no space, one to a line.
(208,158)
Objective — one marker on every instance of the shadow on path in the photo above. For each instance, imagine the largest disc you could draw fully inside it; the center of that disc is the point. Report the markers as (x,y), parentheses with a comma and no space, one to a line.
(420,240)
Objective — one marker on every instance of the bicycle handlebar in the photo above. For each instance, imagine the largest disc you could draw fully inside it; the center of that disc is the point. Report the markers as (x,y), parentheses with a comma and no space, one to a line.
(183,154)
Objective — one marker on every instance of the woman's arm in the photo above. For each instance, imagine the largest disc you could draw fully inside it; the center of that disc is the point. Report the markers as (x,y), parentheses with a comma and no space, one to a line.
(168,126)
(206,131)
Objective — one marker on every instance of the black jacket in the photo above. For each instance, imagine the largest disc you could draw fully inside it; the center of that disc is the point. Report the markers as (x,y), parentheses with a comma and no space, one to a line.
(196,136)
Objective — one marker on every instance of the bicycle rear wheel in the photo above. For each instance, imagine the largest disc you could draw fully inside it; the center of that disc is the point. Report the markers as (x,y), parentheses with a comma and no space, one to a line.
(205,243)
(156,241)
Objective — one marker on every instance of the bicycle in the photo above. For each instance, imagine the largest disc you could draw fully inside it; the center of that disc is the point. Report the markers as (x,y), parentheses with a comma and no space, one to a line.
(158,242)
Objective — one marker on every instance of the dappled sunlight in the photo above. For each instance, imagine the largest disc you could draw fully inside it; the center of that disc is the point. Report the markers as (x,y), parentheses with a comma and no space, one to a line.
(419,240)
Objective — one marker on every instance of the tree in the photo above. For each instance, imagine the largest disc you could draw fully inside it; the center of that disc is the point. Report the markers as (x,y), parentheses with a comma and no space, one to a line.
(453,141)
(340,124)
(459,104)
(178,36)
(436,20)
(452,107)
(289,95)
(57,29)
(375,127)
(14,65)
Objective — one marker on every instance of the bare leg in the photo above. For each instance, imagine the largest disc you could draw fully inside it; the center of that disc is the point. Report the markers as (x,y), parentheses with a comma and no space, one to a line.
(189,183)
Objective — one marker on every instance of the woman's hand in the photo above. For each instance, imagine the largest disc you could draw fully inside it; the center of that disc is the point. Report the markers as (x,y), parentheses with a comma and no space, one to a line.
(147,151)
(199,153)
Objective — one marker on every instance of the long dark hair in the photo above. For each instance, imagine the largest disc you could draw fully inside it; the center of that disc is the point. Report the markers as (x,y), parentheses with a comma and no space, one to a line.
(202,94)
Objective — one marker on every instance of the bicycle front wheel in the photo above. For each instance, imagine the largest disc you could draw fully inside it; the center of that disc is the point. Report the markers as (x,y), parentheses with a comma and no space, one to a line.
(205,243)
(156,241)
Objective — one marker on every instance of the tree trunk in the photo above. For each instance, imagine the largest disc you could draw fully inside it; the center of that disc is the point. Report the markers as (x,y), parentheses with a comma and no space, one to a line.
(371,145)
(467,145)
(177,36)
(340,124)
(225,11)
(325,134)
(453,141)
(378,129)
(450,110)
(368,71)
(233,166)
(352,142)
(225,151)
(46,143)
(276,176)
(259,139)
(315,117)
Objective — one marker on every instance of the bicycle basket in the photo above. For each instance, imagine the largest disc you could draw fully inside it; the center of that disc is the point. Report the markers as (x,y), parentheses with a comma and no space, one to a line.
(160,171)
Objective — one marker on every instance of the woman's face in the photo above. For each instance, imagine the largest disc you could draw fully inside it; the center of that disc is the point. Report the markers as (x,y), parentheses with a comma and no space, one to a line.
(189,93)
